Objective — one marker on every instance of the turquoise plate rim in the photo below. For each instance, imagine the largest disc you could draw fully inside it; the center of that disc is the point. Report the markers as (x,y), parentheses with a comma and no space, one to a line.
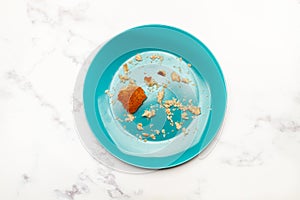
(214,122)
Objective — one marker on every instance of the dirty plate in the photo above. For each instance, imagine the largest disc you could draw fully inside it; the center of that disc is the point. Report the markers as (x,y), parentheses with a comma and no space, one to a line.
(185,96)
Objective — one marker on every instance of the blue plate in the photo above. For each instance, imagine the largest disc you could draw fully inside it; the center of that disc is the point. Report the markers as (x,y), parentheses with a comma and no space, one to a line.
(183,69)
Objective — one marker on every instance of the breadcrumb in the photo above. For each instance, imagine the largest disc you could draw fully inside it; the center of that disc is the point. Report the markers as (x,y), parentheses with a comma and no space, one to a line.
(184,116)
(108,93)
(145,134)
(161,72)
(160,96)
(138,57)
(178,125)
(175,77)
(129,118)
(194,109)
(148,113)
(123,78)
(139,126)
(125,68)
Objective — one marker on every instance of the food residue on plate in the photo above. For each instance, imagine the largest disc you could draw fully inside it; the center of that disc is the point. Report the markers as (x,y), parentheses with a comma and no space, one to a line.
(160,96)
(129,118)
(148,113)
(125,68)
(175,77)
(139,126)
(162,72)
(138,57)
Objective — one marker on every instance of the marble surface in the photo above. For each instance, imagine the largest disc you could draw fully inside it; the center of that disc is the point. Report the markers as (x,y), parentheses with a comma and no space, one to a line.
(43,46)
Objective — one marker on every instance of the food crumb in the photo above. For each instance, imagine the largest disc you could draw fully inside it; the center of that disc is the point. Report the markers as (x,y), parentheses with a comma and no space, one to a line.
(139,126)
(178,125)
(129,118)
(163,131)
(125,68)
(184,131)
(157,132)
(185,80)
(150,81)
(184,116)
(152,136)
(161,72)
(189,65)
(124,78)
(160,96)
(145,134)
(138,57)
(108,93)
(153,57)
(151,125)
(194,109)
(148,113)
(145,140)
(168,111)
(175,77)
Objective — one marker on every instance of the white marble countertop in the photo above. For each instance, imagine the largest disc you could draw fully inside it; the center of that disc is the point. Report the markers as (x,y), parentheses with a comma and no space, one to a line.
(43,44)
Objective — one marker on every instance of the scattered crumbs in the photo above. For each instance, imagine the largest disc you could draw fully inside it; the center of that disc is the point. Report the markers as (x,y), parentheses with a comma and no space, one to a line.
(160,96)
(175,77)
(125,68)
(139,126)
(132,82)
(189,65)
(130,62)
(185,80)
(152,136)
(157,132)
(163,131)
(150,81)
(165,85)
(194,109)
(168,111)
(151,125)
(124,78)
(161,58)
(138,57)
(184,131)
(193,84)
(178,125)
(108,93)
(129,118)
(190,101)
(145,140)
(119,119)
(140,137)
(154,56)
(148,113)
(180,59)
(162,73)
(145,134)
(184,116)
(112,102)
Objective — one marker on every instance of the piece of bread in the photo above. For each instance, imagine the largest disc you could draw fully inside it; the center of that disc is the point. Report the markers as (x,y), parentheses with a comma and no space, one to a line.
(132,97)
